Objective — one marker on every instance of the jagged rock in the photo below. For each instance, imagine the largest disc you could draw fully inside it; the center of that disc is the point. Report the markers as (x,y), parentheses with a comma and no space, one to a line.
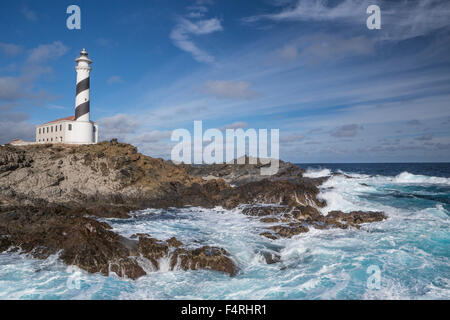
(284,193)
(11,160)
(306,213)
(353,219)
(92,246)
(202,258)
(5,243)
(290,230)
(271,257)
(268,235)
(260,211)
(80,241)
(240,174)
(310,216)
(269,220)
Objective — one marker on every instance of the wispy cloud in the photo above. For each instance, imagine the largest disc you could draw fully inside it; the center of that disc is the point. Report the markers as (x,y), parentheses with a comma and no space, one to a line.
(400,19)
(118,126)
(182,34)
(194,24)
(346,131)
(29,14)
(15,88)
(114,80)
(10,49)
(47,51)
(236,90)
(425,137)
(235,125)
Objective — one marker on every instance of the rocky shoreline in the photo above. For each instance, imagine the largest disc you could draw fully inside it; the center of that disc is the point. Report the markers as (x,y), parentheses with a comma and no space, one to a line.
(51,197)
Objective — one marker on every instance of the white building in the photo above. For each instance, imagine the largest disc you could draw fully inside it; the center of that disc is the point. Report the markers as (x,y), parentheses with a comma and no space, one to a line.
(77,129)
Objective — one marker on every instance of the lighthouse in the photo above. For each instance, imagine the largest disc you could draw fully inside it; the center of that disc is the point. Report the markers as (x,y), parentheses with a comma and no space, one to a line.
(77,129)
(82,103)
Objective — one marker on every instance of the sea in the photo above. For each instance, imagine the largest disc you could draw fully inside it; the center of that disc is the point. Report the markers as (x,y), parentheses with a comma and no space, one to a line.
(406,256)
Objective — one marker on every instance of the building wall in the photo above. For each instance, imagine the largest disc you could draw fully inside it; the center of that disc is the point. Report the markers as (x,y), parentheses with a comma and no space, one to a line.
(58,132)
(52,132)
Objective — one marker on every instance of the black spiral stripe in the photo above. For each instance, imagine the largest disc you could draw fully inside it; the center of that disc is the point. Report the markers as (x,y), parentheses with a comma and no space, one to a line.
(84,107)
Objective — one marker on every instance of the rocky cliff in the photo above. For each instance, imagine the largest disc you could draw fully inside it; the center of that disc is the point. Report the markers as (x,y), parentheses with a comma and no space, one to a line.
(50,196)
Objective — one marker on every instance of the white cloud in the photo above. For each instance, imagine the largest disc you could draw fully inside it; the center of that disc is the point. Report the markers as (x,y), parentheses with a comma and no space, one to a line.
(29,14)
(425,137)
(21,86)
(346,131)
(326,47)
(114,79)
(235,125)
(288,53)
(46,51)
(292,138)
(181,36)
(10,48)
(117,126)
(153,136)
(10,88)
(237,90)
(399,19)
(14,126)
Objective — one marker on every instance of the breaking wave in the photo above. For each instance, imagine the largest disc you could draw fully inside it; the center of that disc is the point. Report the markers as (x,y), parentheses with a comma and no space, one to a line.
(317,173)
(410,249)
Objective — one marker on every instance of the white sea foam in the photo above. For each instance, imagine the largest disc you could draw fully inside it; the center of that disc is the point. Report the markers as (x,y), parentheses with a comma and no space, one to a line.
(406,177)
(317,173)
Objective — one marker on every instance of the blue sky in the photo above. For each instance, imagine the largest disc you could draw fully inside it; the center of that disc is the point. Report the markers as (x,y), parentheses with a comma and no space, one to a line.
(337,91)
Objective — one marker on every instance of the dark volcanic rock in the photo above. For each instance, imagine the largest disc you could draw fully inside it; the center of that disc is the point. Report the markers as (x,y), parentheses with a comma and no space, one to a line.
(202,258)
(354,219)
(241,174)
(92,246)
(271,257)
(298,220)
(260,211)
(11,159)
(290,230)
(5,243)
(268,235)
(282,193)
(80,241)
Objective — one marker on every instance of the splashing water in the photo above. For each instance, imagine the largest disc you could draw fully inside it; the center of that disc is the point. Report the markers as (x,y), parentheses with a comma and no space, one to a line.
(411,250)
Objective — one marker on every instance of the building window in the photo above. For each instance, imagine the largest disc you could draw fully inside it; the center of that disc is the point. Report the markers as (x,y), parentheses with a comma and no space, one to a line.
(60,127)
(39,130)
(47,130)
(60,138)
(70,127)
(56,128)
(51,128)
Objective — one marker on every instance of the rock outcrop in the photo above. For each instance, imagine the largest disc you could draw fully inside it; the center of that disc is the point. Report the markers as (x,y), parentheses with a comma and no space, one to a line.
(92,246)
(240,174)
(52,195)
(288,221)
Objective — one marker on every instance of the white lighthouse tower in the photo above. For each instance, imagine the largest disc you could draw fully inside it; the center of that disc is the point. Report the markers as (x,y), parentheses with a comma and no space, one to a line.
(84,130)
(78,129)
(82,103)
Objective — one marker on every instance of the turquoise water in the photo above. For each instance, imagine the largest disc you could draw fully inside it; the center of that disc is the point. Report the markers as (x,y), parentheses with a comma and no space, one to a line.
(404,257)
